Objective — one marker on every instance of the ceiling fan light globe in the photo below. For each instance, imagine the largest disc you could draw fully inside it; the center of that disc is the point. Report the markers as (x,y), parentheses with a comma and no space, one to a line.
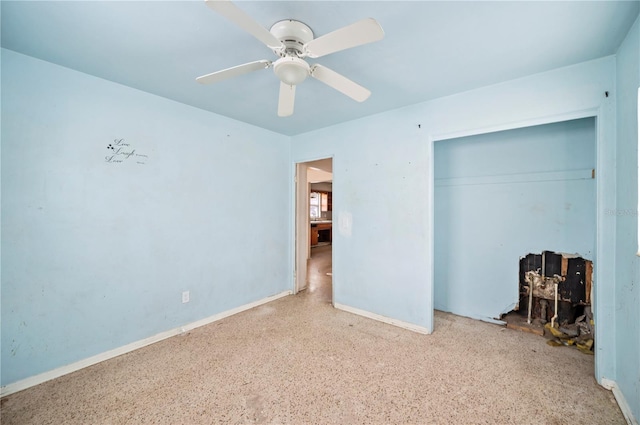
(291,70)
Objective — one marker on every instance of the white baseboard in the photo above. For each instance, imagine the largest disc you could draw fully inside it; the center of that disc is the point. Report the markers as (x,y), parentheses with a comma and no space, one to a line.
(394,322)
(622,401)
(55,373)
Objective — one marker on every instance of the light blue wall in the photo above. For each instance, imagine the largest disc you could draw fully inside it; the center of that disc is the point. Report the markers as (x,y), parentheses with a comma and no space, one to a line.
(379,236)
(95,255)
(626,214)
(382,183)
(500,196)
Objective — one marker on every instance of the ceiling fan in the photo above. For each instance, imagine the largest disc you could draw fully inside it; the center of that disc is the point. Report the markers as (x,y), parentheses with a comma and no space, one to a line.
(293,41)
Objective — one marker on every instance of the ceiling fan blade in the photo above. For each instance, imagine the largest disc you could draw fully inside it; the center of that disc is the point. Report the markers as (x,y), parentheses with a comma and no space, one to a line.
(359,33)
(341,83)
(286,100)
(214,77)
(230,11)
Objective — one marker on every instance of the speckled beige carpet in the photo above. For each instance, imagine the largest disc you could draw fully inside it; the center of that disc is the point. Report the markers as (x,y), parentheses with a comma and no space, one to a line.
(299,361)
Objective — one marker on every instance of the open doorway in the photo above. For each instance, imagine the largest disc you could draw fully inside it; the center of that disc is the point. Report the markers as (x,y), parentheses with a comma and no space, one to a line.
(314,229)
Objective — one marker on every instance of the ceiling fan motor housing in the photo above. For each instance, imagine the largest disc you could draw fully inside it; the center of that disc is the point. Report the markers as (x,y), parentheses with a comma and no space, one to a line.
(293,34)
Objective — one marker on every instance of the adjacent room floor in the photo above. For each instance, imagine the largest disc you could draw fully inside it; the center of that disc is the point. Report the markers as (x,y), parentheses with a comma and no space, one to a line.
(298,360)
(319,274)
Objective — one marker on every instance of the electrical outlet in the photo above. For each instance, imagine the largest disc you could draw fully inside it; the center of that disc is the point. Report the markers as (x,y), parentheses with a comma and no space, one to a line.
(185,297)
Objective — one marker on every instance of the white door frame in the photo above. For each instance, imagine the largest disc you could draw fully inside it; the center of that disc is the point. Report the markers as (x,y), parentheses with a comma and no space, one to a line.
(302,232)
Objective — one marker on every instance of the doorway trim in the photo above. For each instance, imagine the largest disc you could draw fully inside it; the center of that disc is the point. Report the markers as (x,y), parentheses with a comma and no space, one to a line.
(301,212)
(604,263)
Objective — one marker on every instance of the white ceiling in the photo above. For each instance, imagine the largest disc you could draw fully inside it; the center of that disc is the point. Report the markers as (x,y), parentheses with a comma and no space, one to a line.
(320,170)
(325,165)
(431,49)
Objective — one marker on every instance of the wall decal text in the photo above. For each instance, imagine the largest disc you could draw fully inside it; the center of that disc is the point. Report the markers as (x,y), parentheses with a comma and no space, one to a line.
(120,151)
